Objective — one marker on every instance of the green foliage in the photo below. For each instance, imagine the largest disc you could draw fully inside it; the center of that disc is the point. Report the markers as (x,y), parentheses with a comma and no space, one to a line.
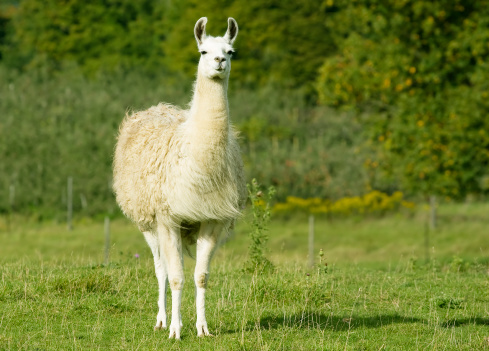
(261,211)
(59,125)
(373,202)
(108,35)
(281,42)
(7,11)
(301,150)
(417,68)
(123,34)
(75,58)
(65,126)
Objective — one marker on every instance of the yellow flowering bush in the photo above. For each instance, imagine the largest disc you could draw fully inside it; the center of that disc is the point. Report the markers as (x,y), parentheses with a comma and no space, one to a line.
(374,202)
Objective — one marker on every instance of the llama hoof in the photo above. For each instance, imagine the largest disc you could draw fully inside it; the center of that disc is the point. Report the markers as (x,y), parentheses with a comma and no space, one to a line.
(202,330)
(174,332)
(160,325)
(160,320)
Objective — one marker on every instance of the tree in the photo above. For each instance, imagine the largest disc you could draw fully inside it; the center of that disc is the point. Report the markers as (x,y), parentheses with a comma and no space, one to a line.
(281,42)
(417,68)
(7,11)
(104,34)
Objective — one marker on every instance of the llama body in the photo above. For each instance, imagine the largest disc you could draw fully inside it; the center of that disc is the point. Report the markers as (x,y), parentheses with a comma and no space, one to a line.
(178,175)
(159,170)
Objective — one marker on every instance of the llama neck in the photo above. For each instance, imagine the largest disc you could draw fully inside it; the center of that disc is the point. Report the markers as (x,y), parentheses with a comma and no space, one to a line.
(210,103)
(208,121)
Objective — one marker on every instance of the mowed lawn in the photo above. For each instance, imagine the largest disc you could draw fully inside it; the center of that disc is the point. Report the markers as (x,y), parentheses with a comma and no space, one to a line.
(378,292)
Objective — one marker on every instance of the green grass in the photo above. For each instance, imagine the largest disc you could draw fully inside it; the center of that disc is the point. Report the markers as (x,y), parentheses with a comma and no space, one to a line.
(462,231)
(55,293)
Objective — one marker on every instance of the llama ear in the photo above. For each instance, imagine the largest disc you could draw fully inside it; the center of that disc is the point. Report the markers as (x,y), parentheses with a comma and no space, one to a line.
(199,30)
(232,31)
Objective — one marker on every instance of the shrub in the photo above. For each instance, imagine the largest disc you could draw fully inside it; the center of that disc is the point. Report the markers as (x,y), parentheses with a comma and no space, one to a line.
(374,202)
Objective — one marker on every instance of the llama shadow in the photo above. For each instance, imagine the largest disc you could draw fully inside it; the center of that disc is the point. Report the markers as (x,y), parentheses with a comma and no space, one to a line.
(321,321)
(465,321)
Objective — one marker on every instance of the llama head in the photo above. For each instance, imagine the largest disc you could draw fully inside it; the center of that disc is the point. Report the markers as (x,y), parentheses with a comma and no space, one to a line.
(216,52)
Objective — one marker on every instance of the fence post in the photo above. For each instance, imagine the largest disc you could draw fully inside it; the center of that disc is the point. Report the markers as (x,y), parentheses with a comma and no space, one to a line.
(311,240)
(69,201)
(427,243)
(107,239)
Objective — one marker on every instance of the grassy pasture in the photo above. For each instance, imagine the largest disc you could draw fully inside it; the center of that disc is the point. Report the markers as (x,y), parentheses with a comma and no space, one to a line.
(378,293)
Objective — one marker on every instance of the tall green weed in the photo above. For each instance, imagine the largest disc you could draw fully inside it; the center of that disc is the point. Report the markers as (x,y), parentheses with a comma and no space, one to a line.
(261,210)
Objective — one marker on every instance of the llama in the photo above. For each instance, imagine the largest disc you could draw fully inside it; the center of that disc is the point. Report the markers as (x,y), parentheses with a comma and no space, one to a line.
(178,174)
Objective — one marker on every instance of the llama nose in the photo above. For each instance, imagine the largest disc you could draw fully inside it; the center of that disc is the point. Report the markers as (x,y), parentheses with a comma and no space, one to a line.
(219,59)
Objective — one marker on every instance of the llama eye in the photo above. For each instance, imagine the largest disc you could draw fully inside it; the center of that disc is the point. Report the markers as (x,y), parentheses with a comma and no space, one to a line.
(230,52)
(203,52)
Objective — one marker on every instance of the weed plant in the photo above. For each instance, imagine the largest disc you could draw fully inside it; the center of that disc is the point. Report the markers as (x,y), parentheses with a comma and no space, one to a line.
(261,212)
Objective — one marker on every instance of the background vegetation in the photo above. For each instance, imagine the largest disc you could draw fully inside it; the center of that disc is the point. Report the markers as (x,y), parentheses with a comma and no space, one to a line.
(333,98)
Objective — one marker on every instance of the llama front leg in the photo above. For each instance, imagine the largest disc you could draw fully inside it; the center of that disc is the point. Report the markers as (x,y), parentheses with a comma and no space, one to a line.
(171,246)
(161,275)
(206,246)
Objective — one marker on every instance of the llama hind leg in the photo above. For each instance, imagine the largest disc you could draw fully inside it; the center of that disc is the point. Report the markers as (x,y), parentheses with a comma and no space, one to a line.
(170,242)
(206,246)
(162,276)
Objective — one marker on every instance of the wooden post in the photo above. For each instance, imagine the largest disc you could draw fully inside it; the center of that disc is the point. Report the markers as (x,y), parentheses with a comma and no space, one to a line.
(69,202)
(427,243)
(311,240)
(107,239)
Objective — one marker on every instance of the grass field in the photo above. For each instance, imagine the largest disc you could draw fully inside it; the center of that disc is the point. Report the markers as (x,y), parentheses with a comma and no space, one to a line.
(378,292)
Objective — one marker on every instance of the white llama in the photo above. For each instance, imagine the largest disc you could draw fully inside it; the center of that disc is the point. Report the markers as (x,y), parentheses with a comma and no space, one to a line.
(178,175)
